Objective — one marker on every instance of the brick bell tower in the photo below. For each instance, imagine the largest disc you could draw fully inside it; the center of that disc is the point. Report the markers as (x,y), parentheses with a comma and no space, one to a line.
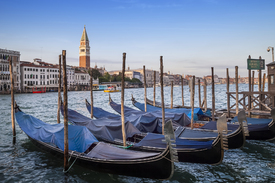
(84,50)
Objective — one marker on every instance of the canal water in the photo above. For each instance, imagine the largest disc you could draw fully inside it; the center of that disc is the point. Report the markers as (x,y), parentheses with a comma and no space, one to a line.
(23,162)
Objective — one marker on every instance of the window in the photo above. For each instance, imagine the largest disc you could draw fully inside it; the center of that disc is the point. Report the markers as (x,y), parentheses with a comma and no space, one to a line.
(28,76)
(272,79)
(25,76)
(82,50)
(25,69)
(36,76)
(36,82)
(36,70)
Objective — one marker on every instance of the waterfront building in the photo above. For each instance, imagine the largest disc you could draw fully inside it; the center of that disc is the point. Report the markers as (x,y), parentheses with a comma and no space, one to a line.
(82,78)
(38,74)
(133,74)
(209,79)
(84,50)
(166,80)
(149,76)
(5,83)
(114,72)
(101,70)
(70,75)
(177,79)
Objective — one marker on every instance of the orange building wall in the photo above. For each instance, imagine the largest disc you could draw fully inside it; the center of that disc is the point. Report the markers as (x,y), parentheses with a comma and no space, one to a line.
(84,61)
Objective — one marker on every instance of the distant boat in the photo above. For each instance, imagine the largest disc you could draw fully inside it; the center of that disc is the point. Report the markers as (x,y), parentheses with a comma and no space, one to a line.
(39,90)
(112,89)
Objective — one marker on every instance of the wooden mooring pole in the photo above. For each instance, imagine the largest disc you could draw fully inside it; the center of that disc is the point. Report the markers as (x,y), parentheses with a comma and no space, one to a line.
(66,144)
(192,101)
(182,92)
(12,101)
(205,95)
(249,88)
(122,100)
(154,100)
(59,91)
(213,94)
(260,85)
(227,90)
(260,77)
(237,89)
(199,91)
(263,86)
(171,94)
(91,88)
(145,95)
(162,95)
(252,86)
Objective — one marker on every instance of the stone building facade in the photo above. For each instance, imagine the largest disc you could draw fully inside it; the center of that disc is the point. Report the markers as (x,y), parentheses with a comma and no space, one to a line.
(5,56)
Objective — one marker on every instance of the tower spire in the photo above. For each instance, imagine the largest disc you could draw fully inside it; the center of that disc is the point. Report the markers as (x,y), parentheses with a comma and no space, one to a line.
(84,36)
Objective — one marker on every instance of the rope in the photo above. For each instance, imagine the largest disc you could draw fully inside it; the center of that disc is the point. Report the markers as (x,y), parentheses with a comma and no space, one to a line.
(125,147)
(71,164)
(171,157)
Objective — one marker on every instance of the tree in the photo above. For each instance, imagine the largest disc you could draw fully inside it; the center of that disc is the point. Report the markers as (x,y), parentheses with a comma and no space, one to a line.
(96,73)
(135,80)
(103,79)
(107,76)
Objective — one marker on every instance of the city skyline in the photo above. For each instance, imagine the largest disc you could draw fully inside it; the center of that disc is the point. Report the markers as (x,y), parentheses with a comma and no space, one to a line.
(192,36)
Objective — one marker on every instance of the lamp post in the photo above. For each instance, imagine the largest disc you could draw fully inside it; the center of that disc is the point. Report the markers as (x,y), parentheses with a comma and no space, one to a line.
(272,50)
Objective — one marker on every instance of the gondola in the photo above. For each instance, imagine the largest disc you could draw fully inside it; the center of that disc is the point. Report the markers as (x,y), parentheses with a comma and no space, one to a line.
(108,129)
(235,133)
(87,151)
(258,128)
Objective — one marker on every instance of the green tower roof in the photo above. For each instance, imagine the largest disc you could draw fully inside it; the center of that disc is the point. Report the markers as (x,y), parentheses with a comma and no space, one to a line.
(84,36)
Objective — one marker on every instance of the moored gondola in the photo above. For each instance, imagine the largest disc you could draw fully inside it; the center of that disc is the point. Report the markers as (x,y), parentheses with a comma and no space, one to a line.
(87,151)
(257,128)
(235,133)
(192,146)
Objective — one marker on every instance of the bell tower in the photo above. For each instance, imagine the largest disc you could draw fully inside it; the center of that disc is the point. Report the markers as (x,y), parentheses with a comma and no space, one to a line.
(84,50)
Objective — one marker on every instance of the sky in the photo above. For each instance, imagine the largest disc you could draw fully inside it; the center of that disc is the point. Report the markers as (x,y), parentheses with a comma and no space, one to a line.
(191,35)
